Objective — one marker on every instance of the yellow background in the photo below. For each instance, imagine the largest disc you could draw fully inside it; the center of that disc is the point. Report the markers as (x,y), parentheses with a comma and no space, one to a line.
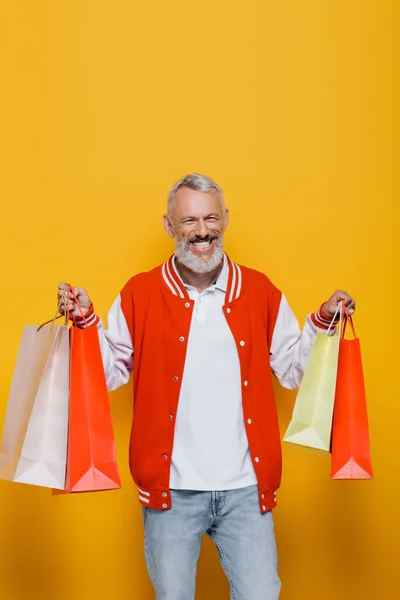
(291,106)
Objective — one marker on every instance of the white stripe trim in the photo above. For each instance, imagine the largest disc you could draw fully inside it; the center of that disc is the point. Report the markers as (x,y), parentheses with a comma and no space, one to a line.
(144,493)
(320,320)
(167,282)
(91,320)
(239,287)
(174,282)
(83,324)
(178,278)
(233,281)
(144,499)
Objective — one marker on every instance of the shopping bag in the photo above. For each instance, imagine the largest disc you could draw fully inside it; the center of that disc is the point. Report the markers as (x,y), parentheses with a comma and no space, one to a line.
(351,458)
(311,423)
(34,442)
(91,462)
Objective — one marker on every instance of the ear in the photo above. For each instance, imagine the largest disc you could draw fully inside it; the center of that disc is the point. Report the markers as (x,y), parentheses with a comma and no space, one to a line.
(169,228)
(226,218)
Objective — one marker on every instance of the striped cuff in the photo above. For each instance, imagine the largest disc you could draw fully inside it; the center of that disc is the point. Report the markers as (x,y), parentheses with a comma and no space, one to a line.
(90,319)
(321,321)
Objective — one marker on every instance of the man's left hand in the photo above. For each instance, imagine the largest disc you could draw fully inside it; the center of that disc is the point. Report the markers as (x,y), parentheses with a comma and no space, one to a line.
(330,307)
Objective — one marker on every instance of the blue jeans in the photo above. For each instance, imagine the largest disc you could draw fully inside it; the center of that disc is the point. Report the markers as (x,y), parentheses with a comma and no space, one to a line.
(244,537)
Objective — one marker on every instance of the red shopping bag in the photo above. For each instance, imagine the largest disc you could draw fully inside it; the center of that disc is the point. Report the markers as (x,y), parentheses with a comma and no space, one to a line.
(351,457)
(91,462)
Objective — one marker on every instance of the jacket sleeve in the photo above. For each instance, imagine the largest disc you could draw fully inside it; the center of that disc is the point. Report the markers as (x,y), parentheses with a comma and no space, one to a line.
(290,347)
(115,343)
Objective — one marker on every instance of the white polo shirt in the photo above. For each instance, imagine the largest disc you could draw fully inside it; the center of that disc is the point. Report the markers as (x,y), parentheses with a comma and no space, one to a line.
(210,445)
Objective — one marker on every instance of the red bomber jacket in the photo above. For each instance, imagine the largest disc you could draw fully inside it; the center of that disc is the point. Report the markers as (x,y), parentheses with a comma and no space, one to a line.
(154,313)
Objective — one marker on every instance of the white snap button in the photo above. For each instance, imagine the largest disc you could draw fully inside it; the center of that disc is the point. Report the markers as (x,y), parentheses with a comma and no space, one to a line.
(264,508)
(171,416)
(176,377)
(181,339)
(257,459)
(187,304)
(242,343)
(262,496)
(164,494)
(165,456)
(228,310)
(274,499)
(249,421)
(165,505)
(246,383)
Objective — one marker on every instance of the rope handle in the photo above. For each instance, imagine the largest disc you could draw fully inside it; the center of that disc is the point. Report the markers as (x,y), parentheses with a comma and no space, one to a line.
(338,310)
(68,315)
(347,318)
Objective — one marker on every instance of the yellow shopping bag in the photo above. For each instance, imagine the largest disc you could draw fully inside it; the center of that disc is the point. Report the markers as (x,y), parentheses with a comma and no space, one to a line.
(311,423)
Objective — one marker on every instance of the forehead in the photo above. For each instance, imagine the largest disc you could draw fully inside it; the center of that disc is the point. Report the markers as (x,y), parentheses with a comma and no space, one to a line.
(196,203)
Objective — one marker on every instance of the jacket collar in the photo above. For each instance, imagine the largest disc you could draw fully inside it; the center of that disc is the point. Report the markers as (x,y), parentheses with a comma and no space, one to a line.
(229,280)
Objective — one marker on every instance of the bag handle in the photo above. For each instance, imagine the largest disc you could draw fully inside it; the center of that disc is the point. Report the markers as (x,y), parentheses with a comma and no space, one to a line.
(338,310)
(347,318)
(79,307)
(58,316)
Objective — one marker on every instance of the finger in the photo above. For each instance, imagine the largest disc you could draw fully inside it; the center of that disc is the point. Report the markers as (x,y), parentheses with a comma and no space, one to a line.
(66,306)
(352,308)
(350,303)
(64,294)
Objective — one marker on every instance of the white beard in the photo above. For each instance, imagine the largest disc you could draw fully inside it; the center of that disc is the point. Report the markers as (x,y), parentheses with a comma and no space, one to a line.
(186,257)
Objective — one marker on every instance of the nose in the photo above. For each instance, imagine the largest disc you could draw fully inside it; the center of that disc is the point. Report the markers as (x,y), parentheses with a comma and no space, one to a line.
(201,228)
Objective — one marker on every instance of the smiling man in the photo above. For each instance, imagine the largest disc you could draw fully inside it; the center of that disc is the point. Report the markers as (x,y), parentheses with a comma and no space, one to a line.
(203,336)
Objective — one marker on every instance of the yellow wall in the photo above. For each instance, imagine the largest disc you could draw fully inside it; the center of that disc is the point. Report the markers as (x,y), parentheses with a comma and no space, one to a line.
(291,106)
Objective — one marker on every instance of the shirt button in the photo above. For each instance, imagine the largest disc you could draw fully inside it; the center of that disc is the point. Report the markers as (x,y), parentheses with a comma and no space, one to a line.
(257,459)
(165,505)
(246,383)
(262,496)
(187,304)
(181,339)
(264,508)
(249,421)
(228,310)
(171,416)
(176,377)
(164,494)
(165,456)
(242,343)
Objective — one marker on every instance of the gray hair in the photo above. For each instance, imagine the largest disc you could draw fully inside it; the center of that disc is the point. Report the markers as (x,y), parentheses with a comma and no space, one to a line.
(194,181)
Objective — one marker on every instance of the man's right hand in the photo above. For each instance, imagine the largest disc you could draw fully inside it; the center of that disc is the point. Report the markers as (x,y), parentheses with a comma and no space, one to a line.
(64,302)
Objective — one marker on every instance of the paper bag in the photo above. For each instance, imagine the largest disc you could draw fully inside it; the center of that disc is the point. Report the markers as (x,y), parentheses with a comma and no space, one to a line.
(351,458)
(91,464)
(311,423)
(34,443)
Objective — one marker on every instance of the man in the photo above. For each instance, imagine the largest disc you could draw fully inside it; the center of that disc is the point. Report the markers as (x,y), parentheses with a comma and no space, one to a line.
(202,335)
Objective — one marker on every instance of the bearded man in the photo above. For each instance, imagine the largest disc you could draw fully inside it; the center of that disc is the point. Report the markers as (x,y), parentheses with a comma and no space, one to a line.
(203,336)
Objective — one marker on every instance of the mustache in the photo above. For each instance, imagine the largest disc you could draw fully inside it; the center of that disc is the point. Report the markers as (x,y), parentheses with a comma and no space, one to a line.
(207,238)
